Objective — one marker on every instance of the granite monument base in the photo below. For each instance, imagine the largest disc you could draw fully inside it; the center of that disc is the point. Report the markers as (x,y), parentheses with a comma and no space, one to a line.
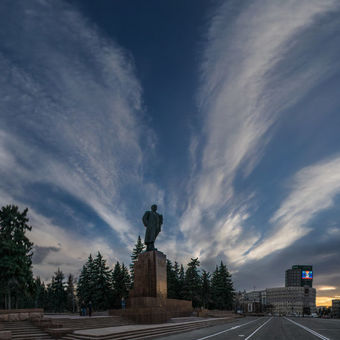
(150,275)
(148,301)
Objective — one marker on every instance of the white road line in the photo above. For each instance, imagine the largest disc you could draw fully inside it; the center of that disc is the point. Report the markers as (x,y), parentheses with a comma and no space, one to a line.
(257,329)
(309,330)
(227,330)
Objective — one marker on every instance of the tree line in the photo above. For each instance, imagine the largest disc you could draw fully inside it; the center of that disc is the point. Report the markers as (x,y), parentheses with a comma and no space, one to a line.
(97,283)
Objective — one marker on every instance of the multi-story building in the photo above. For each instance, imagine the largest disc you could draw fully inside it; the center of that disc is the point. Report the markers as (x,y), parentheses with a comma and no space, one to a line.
(299,276)
(292,300)
(252,302)
(336,308)
(297,297)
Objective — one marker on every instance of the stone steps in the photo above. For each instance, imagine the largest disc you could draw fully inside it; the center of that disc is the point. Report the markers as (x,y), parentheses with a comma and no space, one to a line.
(24,330)
(149,333)
(90,323)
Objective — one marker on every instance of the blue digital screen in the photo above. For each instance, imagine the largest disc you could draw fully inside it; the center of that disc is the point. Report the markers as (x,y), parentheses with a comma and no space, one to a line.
(307,275)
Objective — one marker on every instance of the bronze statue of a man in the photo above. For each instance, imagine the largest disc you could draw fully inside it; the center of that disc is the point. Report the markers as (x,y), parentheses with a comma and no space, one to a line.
(152,221)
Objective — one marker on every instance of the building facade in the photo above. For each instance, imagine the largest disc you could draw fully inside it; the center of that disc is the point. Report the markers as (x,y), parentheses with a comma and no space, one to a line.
(336,308)
(299,276)
(291,300)
(298,297)
(252,302)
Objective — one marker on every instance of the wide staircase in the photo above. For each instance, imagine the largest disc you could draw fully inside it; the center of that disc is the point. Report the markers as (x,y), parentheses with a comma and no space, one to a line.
(91,323)
(148,332)
(25,330)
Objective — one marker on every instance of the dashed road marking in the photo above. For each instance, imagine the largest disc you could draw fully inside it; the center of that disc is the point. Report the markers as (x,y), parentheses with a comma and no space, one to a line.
(257,329)
(227,330)
(309,330)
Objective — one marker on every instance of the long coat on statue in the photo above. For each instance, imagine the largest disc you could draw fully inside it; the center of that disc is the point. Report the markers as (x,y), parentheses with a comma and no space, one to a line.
(152,221)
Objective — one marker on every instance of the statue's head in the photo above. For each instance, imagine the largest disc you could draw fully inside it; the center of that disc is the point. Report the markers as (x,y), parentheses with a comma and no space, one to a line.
(154,207)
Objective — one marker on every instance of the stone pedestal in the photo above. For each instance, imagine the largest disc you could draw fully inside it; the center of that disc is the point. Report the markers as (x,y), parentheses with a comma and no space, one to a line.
(148,301)
(150,275)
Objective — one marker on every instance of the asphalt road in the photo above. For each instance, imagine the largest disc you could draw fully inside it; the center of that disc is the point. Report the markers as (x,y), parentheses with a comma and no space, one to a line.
(266,328)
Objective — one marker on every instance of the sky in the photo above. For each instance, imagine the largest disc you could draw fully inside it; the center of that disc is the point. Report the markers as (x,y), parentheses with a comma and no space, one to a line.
(223,113)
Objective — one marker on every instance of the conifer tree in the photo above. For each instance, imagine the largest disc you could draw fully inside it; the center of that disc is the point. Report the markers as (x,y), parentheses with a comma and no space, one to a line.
(121,283)
(193,282)
(58,291)
(70,294)
(205,294)
(40,293)
(49,303)
(16,278)
(126,277)
(138,249)
(176,270)
(116,285)
(172,281)
(181,284)
(86,284)
(101,294)
(222,290)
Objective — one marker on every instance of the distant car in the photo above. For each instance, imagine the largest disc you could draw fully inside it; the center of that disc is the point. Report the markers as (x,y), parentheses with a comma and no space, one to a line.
(314,315)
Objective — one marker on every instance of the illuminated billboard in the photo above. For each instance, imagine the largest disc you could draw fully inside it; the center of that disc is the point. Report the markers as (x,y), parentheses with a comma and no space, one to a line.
(307,275)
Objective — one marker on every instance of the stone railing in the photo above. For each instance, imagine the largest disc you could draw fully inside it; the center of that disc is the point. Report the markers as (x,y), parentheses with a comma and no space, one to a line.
(21,314)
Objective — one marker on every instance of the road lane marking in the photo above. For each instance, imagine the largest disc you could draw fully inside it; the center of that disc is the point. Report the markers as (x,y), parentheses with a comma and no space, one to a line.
(257,329)
(227,330)
(309,330)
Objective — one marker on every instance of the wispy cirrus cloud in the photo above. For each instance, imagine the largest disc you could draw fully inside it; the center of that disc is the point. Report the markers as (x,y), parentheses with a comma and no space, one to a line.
(71,123)
(313,190)
(252,72)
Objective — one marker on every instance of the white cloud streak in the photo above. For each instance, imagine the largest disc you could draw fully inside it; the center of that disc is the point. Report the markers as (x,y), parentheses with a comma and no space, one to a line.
(71,113)
(314,190)
(244,91)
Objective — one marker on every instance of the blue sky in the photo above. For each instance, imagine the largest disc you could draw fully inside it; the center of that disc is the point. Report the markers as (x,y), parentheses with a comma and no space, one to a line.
(224,113)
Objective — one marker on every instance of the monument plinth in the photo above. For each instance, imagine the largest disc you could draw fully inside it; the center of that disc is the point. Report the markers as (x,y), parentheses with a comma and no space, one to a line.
(150,275)
(147,299)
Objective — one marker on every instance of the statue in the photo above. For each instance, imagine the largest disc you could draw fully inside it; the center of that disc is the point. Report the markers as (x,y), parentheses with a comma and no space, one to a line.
(152,222)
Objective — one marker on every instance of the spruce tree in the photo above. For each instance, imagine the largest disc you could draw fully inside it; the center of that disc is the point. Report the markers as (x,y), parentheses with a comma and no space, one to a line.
(50,303)
(116,285)
(193,282)
(138,249)
(205,293)
(70,294)
(176,270)
(86,282)
(215,283)
(222,290)
(181,284)
(82,286)
(16,278)
(40,293)
(58,291)
(172,280)
(102,282)
(126,278)
(228,295)
(121,283)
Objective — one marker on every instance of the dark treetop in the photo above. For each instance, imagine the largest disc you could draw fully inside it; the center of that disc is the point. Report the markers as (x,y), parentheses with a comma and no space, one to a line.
(152,221)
